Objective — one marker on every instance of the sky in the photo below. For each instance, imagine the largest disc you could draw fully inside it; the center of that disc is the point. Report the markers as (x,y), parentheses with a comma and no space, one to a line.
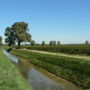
(67,21)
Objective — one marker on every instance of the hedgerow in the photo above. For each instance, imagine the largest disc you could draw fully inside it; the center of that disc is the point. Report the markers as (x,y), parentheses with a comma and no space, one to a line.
(70,49)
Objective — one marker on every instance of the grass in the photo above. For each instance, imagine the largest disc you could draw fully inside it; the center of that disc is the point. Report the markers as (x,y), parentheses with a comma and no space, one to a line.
(10,77)
(73,69)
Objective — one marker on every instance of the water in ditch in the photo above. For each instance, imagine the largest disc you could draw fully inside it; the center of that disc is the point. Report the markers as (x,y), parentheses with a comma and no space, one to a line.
(38,78)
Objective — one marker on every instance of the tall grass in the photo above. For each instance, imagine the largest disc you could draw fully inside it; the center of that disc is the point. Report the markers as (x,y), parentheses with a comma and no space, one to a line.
(73,69)
(10,77)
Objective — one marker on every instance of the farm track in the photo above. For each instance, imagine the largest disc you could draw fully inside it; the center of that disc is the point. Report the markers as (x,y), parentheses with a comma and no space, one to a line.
(60,54)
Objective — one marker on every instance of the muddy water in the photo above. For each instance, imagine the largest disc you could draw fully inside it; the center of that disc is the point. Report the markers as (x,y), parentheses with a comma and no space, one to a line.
(40,79)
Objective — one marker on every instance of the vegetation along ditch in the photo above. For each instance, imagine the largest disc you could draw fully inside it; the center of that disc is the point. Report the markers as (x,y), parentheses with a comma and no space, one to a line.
(39,78)
(73,69)
(10,77)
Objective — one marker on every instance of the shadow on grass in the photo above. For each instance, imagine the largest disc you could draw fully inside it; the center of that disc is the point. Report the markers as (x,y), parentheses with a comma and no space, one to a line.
(9,50)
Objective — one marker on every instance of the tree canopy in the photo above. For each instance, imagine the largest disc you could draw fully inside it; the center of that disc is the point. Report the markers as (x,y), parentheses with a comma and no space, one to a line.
(32,42)
(58,43)
(43,43)
(86,42)
(18,32)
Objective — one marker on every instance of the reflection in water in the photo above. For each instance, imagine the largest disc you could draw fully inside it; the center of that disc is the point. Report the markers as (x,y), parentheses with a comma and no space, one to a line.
(38,78)
(11,57)
(40,81)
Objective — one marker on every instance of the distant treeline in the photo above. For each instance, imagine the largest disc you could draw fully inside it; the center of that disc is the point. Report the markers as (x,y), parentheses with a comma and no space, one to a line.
(51,43)
(81,49)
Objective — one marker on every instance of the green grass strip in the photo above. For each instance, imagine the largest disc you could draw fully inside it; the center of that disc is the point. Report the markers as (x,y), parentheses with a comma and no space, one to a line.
(10,77)
(73,69)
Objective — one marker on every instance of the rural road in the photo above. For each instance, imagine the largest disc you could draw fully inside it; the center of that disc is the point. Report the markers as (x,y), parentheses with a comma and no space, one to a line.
(60,54)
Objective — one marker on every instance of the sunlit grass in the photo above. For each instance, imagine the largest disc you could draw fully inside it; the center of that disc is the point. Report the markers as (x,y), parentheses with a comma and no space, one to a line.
(10,77)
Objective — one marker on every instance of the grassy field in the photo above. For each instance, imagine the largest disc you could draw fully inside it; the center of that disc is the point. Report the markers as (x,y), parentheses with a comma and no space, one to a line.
(79,49)
(73,69)
(10,77)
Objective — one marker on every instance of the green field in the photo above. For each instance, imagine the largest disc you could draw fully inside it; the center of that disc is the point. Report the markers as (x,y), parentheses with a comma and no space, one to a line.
(73,69)
(10,77)
(79,49)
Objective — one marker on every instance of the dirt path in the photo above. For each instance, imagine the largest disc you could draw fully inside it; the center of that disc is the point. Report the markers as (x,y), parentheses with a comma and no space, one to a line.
(61,54)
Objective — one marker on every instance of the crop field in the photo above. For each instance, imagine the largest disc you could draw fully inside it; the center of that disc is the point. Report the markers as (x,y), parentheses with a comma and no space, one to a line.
(73,69)
(70,49)
(10,77)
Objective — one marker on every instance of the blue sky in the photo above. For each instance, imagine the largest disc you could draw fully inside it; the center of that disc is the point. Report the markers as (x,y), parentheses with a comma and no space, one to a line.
(67,21)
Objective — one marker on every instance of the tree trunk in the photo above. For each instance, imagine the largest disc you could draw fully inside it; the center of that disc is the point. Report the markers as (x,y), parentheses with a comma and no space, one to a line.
(9,44)
(18,44)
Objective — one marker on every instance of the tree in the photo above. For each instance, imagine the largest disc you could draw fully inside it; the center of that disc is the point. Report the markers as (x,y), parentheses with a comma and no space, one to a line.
(28,38)
(19,32)
(54,42)
(32,42)
(43,43)
(86,42)
(58,43)
(51,43)
(0,40)
(10,36)
(22,32)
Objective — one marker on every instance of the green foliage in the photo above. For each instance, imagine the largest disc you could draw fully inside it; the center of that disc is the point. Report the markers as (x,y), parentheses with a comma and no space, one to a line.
(19,32)
(21,29)
(7,31)
(54,42)
(86,42)
(51,43)
(58,43)
(28,37)
(70,49)
(73,69)
(32,42)
(10,77)
(43,43)
(11,36)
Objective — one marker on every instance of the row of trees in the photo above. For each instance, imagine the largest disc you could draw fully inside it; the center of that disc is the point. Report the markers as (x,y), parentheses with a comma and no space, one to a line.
(17,33)
(43,43)
(52,43)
